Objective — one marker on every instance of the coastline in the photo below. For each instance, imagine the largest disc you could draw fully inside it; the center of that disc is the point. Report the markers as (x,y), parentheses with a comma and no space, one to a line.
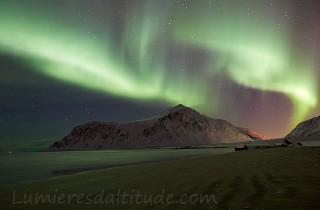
(277,178)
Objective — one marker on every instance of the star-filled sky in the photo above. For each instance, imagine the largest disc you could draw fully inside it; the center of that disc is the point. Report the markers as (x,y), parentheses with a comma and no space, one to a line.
(254,63)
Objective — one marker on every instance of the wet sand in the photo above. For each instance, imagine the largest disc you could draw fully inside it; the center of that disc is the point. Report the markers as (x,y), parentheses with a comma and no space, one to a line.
(276,178)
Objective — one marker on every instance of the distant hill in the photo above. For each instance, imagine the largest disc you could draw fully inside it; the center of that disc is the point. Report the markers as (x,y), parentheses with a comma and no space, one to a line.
(179,126)
(308,128)
(253,134)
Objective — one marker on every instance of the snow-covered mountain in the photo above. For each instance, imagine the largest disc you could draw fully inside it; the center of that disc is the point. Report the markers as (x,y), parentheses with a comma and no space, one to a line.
(308,128)
(179,126)
(253,134)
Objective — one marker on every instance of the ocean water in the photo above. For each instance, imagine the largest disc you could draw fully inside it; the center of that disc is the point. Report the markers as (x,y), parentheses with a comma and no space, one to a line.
(18,167)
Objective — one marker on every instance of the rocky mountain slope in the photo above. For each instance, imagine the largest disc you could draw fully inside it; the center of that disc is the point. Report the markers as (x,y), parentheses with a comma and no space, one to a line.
(308,128)
(179,126)
(253,134)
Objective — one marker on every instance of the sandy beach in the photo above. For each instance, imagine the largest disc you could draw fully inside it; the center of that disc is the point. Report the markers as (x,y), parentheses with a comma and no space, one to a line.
(277,178)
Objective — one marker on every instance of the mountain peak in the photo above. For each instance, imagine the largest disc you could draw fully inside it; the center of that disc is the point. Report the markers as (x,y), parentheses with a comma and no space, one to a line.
(179,126)
(180,108)
(181,112)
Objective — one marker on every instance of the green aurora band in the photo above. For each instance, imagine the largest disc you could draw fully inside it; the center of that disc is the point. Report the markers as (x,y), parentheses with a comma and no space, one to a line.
(243,48)
(252,54)
(73,56)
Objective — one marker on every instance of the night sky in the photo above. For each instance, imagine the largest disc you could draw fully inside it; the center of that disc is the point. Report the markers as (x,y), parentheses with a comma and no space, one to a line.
(254,63)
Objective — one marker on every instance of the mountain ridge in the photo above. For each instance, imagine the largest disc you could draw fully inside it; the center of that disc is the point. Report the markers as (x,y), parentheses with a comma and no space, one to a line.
(253,134)
(307,128)
(178,126)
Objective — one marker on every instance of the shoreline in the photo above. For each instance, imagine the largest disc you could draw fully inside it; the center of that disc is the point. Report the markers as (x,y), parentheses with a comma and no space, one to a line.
(278,178)
(72,171)
(24,167)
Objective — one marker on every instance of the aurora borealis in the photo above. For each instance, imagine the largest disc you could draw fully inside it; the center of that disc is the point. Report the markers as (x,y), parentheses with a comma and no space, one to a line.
(253,63)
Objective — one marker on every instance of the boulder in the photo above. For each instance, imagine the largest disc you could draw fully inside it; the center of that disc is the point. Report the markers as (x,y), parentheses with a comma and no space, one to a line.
(240,147)
(287,143)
